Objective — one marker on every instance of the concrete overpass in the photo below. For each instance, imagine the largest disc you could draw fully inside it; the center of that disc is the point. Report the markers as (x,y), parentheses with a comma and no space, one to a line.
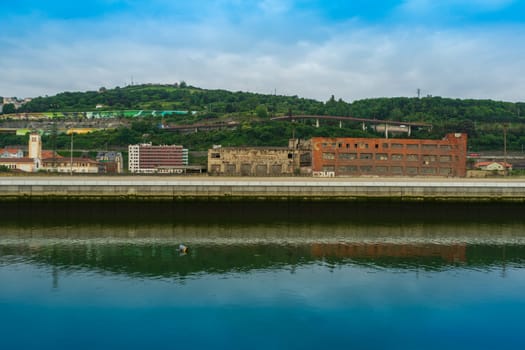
(389,125)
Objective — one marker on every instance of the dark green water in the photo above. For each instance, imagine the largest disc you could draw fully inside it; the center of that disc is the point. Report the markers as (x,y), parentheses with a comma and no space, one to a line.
(369,276)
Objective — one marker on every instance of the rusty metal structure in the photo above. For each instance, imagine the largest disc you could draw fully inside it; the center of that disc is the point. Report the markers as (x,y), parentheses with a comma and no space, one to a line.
(389,157)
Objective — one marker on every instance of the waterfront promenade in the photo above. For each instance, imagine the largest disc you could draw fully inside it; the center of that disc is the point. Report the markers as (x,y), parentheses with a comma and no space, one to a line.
(226,188)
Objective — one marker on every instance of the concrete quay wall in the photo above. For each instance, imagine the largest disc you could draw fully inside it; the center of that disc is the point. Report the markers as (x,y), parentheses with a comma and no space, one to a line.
(259,189)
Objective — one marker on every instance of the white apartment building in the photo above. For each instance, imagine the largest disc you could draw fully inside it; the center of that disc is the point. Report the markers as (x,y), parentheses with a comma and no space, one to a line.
(148,159)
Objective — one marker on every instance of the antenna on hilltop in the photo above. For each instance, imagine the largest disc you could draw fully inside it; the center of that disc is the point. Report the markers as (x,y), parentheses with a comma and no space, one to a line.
(418,92)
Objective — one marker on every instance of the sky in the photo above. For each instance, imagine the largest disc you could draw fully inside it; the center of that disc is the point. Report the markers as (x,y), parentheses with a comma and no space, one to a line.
(352,49)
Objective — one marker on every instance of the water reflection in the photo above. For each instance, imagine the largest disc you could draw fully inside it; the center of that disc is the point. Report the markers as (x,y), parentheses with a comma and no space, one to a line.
(153,250)
(289,286)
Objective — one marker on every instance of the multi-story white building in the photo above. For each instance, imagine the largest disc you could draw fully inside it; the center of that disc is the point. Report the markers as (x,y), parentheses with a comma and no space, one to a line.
(147,159)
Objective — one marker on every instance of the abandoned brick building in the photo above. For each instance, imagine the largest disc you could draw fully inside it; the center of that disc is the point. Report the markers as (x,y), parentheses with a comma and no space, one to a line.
(389,157)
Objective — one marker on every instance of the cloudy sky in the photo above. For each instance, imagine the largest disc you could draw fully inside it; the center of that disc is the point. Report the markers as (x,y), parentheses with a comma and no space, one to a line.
(352,49)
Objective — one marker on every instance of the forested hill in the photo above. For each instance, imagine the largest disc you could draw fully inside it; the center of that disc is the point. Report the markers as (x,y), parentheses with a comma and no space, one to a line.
(483,120)
(220,102)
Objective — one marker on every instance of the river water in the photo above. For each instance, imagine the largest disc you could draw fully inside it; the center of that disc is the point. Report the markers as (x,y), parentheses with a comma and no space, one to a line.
(413,283)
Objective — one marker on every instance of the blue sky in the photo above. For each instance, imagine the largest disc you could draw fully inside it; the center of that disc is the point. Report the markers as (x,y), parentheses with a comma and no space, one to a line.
(310,48)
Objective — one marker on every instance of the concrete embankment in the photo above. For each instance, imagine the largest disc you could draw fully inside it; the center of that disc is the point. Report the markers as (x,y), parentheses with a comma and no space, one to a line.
(309,189)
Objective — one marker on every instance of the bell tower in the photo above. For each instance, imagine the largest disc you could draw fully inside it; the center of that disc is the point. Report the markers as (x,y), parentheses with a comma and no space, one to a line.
(35,146)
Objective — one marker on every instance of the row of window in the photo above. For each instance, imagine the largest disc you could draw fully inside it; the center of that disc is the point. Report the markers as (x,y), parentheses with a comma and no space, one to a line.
(247,169)
(384,156)
(364,145)
(218,155)
(394,170)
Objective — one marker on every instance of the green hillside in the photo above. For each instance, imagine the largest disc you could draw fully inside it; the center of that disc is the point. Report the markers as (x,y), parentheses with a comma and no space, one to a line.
(148,106)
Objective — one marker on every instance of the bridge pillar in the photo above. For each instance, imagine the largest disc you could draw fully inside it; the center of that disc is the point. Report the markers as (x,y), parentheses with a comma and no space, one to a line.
(317,123)
(386,130)
(340,124)
(409,130)
(364,126)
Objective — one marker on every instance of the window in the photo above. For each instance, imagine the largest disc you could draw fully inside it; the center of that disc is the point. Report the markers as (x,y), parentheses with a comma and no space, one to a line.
(397,145)
(328,156)
(427,159)
(381,156)
(412,157)
(230,169)
(350,169)
(412,171)
(428,171)
(429,146)
(397,157)
(365,156)
(412,146)
(445,159)
(290,155)
(445,171)
(381,169)
(366,169)
(396,170)
(385,145)
(215,155)
(347,156)
(277,169)
(328,168)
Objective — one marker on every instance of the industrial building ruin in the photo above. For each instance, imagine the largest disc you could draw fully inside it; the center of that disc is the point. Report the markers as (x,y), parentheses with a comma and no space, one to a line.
(261,161)
(345,157)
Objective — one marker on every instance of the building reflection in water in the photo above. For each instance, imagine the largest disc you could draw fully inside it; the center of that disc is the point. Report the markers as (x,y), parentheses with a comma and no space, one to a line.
(455,253)
(152,250)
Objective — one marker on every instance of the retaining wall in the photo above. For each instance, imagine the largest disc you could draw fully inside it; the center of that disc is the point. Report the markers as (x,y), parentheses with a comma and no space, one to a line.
(154,189)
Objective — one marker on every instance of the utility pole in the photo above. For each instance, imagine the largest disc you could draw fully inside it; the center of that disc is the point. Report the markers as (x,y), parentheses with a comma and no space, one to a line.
(71,157)
(505,149)
(54,145)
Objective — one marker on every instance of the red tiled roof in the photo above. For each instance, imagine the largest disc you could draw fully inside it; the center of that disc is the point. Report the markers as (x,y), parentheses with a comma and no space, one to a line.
(67,160)
(10,150)
(17,160)
(50,154)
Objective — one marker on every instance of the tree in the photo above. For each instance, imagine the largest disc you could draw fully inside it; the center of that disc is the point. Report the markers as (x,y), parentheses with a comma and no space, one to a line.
(9,108)
(261,111)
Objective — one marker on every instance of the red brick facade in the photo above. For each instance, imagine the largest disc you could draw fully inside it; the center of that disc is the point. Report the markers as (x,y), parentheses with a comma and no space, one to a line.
(389,157)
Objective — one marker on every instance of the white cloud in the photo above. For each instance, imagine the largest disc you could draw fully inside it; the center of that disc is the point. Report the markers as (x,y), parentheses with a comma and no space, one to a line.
(350,61)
